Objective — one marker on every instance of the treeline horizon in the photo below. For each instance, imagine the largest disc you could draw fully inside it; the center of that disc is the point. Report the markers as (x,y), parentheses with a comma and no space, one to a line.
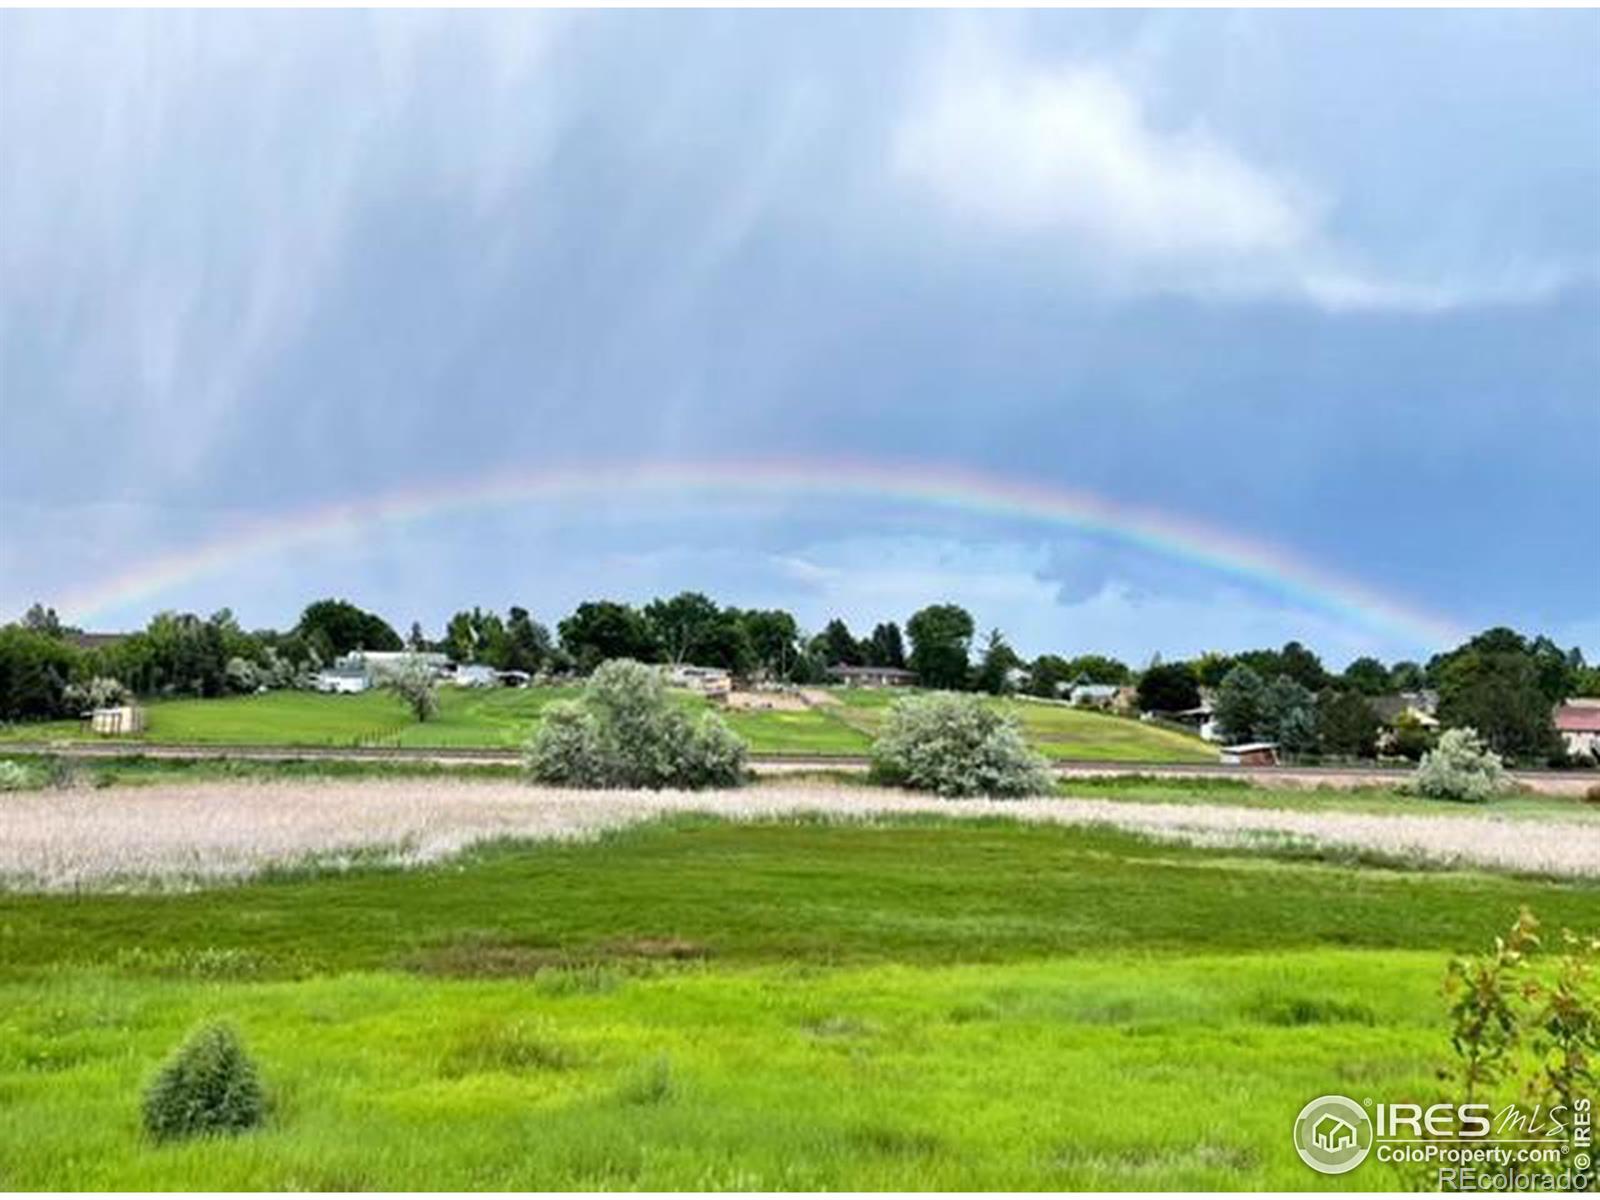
(1499,681)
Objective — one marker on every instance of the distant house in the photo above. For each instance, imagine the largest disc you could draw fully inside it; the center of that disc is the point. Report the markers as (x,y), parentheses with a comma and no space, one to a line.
(1093,695)
(872,676)
(475,675)
(1250,754)
(1417,707)
(708,681)
(342,679)
(1201,719)
(1578,723)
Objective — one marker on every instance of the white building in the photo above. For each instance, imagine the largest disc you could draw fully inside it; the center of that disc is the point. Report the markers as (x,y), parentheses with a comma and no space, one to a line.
(342,679)
(475,675)
(1201,719)
(117,721)
(708,681)
(1093,695)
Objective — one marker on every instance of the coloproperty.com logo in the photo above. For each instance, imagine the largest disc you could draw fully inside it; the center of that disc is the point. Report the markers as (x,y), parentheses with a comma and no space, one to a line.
(1333,1134)
(1473,1146)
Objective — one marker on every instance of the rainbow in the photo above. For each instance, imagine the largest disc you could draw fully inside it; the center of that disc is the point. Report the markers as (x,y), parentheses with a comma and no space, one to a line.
(945,488)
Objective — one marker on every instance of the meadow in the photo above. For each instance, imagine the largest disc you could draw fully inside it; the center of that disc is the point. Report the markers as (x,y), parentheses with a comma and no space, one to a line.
(693,1002)
(70,839)
(502,718)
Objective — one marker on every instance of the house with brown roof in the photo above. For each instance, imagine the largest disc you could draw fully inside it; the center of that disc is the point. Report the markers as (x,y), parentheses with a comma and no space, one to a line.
(1578,723)
(1418,707)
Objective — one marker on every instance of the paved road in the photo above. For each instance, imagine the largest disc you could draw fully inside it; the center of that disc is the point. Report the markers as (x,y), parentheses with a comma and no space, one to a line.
(1570,783)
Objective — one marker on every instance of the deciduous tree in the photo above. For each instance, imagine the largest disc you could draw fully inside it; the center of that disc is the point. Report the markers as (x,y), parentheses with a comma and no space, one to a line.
(1347,723)
(1368,676)
(1168,687)
(941,643)
(604,629)
(342,627)
(998,661)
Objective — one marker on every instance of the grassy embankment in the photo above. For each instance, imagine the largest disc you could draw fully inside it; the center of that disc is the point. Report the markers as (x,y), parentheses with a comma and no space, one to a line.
(503,717)
(700,1004)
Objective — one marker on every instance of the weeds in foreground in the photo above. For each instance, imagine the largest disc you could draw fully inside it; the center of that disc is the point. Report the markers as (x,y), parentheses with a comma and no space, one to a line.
(654,1084)
(1522,1014)
(512,1049)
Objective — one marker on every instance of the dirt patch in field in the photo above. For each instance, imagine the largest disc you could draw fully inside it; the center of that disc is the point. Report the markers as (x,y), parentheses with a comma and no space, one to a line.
(767,701)
(497,956)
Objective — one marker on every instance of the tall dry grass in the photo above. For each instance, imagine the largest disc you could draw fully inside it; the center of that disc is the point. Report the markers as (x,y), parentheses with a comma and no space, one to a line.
(191,835)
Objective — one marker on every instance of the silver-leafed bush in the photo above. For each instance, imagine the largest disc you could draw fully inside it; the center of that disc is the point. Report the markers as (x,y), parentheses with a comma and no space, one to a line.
(14,777)
(955,745)
(627,731)
(1460,767)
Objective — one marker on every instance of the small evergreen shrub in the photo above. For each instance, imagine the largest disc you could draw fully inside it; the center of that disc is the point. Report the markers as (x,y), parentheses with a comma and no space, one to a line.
(1460,767)
(628,732)
(208,1088)
(956,745)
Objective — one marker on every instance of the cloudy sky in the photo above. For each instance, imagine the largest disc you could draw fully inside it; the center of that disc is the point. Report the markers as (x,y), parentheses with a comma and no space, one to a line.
(1325,283)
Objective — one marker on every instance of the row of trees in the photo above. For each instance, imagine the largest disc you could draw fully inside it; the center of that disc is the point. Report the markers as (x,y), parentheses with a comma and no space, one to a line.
(1500,682)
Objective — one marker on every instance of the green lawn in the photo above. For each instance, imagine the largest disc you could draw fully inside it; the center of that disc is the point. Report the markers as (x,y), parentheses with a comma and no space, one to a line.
(807,731)
(1103,1073)
(1147,789)
(1073,733)
(503,717)
(699,1004)
(1056,730)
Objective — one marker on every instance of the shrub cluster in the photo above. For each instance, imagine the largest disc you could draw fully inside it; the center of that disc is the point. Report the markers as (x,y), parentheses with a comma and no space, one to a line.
(628,732)
(1460,767)
(956,745)
(100,692)
(14,777)
(208,1088)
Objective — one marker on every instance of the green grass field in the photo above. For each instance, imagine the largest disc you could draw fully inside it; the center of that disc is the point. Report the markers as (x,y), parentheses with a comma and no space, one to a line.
(699,1004)
(503,717)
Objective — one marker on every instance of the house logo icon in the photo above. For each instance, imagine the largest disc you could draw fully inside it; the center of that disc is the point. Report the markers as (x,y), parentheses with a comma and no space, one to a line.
(1333,1134)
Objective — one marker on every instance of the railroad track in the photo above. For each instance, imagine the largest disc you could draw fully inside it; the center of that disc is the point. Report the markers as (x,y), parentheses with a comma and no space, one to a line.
(1562,782)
